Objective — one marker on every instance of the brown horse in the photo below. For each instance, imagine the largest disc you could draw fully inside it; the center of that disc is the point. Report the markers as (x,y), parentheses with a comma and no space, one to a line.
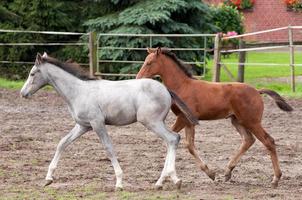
(209,101)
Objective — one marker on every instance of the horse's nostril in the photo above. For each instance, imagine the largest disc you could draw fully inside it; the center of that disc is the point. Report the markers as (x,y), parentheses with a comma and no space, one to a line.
(24,95)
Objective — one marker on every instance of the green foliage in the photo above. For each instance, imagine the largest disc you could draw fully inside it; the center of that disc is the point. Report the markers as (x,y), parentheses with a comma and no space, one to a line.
(7,15)
(50,15)
(246,4)
(227,18)
(109,16)
(297,6)
(157,16)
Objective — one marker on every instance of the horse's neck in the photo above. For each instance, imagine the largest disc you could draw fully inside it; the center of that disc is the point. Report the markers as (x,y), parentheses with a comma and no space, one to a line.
(172,76)
(64,83)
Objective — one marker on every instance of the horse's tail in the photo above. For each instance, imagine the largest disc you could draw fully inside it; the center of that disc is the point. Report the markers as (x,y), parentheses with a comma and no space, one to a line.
(281,103)
(184,108)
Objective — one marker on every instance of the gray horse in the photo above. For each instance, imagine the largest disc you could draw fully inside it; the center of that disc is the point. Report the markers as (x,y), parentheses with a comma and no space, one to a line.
(95,103)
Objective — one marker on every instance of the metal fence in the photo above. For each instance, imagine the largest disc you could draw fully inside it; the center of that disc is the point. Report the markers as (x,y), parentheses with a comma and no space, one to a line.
(95,47)
(242,50)
(40,43)
(203,49)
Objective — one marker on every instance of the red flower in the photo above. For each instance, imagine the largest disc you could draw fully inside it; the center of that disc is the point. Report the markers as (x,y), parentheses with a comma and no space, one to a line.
(290,2)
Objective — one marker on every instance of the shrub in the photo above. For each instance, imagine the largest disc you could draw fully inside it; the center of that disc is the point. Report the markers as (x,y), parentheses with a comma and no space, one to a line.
(227,19)
(240,4)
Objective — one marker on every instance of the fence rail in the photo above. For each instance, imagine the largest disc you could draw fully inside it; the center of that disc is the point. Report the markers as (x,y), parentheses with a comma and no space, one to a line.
(40,43)
(42,32)
(43,44)
(242,51)
(155,35)
(94,49)
(95,69)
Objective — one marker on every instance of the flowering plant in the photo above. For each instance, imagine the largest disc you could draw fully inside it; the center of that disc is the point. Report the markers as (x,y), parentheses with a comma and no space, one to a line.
(295,5)
(240,4)
(229,33)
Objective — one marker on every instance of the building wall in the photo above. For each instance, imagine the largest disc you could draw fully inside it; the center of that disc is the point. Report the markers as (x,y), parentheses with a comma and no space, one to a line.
(269,14)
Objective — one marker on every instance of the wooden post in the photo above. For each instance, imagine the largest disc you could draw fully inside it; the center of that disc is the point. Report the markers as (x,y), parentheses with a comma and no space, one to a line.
(241,60)
(291,58)
(93,59)
(217,59)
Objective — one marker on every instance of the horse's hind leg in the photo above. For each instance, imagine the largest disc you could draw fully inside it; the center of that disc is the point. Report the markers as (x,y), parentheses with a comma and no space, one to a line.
(247,141)
(179,124)
(190,134)
(269,143)
(172,141)
(76,132)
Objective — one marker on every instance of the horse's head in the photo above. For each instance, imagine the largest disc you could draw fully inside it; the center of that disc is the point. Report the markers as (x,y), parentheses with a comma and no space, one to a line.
(152,64)
(35,79)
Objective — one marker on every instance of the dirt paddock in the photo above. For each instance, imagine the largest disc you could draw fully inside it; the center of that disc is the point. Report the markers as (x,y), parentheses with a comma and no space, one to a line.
(31,129)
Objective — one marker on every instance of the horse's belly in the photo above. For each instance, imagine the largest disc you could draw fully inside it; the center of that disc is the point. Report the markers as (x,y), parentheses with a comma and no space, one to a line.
(213,114)
(120,118)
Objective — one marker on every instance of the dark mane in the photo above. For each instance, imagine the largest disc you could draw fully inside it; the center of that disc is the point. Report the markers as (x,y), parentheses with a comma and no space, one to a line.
(184,67)
(71,67)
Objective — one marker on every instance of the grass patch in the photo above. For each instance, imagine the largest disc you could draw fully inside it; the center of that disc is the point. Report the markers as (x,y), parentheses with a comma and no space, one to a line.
(256,75)
(255,72)
(16,85)
(9,84)
(282,88)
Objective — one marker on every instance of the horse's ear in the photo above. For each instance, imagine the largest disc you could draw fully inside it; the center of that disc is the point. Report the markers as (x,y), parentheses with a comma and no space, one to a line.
(38,59)
(45,55)
(158,51)
(150,50)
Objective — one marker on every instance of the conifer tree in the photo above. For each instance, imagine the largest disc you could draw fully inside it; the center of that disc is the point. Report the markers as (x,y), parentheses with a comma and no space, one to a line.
(156,16)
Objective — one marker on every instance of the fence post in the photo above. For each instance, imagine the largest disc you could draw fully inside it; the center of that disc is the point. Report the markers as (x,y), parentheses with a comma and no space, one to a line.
(291,58)
(241,60)
(93,61)
(217,59)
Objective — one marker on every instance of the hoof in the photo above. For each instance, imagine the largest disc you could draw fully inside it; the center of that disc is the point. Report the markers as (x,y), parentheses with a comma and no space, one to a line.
(158,187)
(227,177)
(119,189)
(48,182)
(274,184)
(212,175)
(178,184)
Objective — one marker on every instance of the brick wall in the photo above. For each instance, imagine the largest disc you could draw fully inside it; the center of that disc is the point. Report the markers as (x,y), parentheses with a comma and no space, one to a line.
(269,14)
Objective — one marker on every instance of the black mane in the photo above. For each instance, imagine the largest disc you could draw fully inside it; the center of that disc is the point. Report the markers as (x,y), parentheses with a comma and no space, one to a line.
(184,67)
(71,67)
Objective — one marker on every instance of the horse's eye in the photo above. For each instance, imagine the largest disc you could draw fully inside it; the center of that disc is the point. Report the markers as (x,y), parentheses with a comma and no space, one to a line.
(32,74)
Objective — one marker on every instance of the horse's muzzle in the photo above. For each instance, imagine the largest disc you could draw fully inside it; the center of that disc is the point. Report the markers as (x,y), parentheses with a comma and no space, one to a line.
(24,95)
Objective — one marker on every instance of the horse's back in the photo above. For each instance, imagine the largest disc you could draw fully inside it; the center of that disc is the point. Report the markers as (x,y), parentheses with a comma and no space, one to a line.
(123,101)
(220,100)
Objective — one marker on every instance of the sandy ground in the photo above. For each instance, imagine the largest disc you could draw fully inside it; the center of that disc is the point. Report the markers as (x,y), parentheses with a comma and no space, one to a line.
(31,129)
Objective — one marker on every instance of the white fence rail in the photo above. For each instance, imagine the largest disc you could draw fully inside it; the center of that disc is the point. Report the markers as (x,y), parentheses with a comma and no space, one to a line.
(40,43)
(95,47)
(203,48)
(241,50)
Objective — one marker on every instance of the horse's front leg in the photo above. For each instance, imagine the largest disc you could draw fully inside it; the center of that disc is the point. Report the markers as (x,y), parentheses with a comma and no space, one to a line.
(101,131)
(190,137)
(76,132)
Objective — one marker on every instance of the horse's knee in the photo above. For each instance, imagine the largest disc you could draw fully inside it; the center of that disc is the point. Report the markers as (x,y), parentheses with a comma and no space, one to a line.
(174,140)
(270,144)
